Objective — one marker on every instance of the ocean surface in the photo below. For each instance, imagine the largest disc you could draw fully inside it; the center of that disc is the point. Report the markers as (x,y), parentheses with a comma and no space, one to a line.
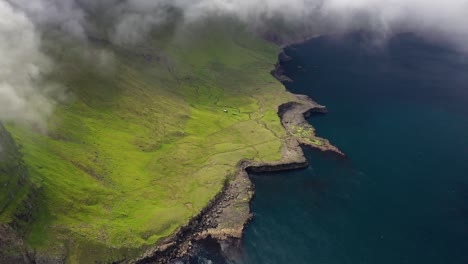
(400,113)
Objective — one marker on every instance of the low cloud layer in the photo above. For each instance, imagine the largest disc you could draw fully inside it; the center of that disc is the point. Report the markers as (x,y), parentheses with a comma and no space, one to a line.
(130,21)
(22,65)
(439,20)
(24,93)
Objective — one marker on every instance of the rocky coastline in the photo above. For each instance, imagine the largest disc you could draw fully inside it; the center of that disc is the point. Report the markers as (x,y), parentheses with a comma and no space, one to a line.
(226,216)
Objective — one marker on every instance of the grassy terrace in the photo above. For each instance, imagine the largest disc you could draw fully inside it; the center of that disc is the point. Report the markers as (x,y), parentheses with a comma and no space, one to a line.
(139,150)
(306,134)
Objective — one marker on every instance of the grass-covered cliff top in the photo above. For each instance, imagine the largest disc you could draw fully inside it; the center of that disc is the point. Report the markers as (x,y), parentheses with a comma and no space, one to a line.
(140,148)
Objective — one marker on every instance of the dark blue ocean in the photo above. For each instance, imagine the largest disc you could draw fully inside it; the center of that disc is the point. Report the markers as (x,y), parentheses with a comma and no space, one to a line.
(399,111)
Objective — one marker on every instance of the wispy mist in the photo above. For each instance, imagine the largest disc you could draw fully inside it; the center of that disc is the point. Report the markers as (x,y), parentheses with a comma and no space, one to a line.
(22,65)
(24,94)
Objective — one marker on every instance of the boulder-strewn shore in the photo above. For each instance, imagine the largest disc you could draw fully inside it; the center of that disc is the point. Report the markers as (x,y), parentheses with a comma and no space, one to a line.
(225,218)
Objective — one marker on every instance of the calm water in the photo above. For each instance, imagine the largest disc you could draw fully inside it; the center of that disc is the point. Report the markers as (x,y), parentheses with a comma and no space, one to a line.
(400,113)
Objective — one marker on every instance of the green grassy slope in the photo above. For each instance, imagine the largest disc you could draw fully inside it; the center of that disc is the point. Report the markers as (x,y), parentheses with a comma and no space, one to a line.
(12,171)
(16,190)
(17,200)
(141,149)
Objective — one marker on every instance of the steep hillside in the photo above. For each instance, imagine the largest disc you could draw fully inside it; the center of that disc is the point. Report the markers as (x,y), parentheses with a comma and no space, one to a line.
(141,147)
(17,200)
(12,171)
(16,190)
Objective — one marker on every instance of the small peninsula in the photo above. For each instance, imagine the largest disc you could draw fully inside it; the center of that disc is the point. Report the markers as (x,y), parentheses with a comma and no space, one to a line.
(153,154)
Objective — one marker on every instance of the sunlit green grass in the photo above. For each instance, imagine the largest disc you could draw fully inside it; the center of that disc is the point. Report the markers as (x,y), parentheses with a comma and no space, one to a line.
(136,153)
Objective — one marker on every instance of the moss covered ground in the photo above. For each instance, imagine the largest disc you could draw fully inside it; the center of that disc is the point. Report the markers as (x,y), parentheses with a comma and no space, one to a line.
(306,134)
(138,150)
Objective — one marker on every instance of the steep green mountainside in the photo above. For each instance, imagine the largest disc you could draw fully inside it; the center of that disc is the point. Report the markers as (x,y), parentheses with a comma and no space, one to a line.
(15,185)
(12,171)
(141,147)
(17,198)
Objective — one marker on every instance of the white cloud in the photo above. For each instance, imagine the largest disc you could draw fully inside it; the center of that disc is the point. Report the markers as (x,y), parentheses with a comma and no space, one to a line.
(23,93)
(444,20)
(21,67)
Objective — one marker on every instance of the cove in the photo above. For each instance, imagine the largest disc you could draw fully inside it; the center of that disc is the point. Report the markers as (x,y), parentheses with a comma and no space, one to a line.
(400,113)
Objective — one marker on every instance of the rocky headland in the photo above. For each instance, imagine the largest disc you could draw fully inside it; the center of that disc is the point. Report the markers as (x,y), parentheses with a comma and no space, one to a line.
(225,218)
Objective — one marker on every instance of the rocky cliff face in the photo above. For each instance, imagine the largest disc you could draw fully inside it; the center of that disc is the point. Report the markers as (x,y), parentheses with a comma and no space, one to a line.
(12,247)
